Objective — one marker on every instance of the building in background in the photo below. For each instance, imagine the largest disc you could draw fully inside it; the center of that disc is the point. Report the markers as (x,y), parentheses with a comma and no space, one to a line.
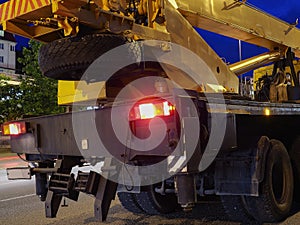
(7,69)
(7,52)
(8,62)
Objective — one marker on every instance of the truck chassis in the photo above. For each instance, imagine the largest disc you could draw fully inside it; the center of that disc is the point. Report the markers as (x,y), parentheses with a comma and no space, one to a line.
(239,173)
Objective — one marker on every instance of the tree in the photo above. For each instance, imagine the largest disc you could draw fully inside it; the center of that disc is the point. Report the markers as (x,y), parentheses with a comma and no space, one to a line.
(39,93)
(36,95)
(9,97)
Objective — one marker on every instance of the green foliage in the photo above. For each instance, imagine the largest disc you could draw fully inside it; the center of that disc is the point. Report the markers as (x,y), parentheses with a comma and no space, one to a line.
(36,95)
(9,100)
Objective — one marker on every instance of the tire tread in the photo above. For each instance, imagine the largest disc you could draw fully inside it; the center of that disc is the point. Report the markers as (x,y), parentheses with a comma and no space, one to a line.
(68,58)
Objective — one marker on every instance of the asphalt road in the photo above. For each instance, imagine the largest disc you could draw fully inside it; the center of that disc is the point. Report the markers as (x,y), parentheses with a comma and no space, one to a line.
(24,208)
(19,205)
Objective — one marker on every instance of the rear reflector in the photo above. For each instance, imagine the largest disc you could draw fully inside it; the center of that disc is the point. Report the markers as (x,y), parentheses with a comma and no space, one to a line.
(14,128)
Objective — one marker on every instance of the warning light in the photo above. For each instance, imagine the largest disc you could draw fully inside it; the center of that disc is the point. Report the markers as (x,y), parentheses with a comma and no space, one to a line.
(150,108)
(14,128)
(267,112)
(147,111)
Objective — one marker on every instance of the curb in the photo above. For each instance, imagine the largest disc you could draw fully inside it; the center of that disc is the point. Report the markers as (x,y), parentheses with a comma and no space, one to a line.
(5,149)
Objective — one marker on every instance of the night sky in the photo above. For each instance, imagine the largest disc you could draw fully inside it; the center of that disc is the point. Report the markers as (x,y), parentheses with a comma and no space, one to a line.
(288,11)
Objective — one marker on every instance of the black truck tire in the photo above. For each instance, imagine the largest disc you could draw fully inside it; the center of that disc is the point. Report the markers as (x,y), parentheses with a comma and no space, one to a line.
(68,58)
(235,208)
(154,203)
(276,190)
(295,159)
(129,202)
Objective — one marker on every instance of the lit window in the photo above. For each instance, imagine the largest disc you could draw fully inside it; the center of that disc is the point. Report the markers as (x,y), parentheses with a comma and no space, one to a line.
(1,33)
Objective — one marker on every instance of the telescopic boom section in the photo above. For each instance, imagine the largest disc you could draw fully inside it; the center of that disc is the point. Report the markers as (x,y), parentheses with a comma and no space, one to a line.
(236,19)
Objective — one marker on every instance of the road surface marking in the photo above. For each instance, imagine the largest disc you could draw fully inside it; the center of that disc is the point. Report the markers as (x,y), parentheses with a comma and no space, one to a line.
(14,198)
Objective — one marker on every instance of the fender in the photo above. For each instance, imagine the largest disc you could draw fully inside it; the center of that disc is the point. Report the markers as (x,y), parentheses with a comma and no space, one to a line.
(263,147)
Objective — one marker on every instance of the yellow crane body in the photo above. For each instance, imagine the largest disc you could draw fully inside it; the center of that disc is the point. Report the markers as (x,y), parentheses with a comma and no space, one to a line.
(47,21)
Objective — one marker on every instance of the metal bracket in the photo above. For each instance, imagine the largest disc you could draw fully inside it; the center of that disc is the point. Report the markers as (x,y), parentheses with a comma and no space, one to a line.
(236,3)
(37,135)
(292,26)
(106,192)
(53,199)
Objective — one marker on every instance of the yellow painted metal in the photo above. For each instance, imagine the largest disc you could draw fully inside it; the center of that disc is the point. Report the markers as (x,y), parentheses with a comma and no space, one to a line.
(41,33)
(17,8)
(35,19)
(67,7)
(80,92)
(246,65)
(69,92)
(238,20)
(183,34)
(16,15)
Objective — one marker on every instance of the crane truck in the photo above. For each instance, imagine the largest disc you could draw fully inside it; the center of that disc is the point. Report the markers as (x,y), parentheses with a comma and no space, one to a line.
(157,115)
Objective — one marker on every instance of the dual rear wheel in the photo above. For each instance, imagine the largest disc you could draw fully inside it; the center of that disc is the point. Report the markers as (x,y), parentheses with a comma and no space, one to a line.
(276,191)
(149,201)
(273,204)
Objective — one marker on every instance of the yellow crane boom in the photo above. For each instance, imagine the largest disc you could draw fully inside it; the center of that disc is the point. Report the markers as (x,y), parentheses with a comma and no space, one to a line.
(238,20)
(232,18)
(168,20)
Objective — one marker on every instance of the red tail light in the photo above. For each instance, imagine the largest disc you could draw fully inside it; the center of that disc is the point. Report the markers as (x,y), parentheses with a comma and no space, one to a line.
(150,108)
(14,128)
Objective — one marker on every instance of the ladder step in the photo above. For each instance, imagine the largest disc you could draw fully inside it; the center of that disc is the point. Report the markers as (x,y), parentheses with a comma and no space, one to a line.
(60,182)
(61,175)
(58,189)
(87,182)
(80,189)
